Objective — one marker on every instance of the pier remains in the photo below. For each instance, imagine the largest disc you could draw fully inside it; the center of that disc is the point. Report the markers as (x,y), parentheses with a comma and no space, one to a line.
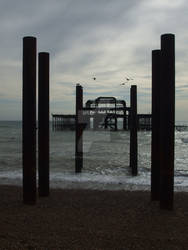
(102,113)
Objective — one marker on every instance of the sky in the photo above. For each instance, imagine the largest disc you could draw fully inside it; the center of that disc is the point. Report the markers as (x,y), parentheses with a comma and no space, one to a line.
(106,39)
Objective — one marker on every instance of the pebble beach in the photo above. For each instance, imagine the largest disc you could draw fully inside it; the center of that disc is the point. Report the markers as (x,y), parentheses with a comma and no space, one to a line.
(91,219)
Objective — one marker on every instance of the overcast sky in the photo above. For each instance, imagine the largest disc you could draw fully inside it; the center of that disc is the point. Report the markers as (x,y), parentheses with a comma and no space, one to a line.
(108,39)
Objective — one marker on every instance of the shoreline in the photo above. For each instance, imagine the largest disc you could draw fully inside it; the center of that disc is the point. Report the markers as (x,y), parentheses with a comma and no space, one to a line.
(78,182)
(91,219)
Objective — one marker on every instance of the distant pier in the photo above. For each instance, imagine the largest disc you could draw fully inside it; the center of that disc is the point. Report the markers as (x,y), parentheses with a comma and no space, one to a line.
(181,127)
(62,122)
(103,113)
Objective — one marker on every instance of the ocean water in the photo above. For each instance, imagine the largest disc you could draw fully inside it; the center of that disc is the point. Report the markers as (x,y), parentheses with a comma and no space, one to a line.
(106,159)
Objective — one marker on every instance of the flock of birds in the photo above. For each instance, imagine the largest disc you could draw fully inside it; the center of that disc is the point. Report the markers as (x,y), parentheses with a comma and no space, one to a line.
(124,83)
(127,80)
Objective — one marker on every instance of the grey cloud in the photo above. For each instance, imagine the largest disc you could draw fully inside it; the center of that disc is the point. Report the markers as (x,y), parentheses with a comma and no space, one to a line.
(67,84)
(85,20)
(105,38)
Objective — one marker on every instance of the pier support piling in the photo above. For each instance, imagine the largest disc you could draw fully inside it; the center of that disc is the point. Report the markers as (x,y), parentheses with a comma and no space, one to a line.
(79,130)
(155,147)
(133,131)
(43,124)
(29,120)
(167,121)
(125,120)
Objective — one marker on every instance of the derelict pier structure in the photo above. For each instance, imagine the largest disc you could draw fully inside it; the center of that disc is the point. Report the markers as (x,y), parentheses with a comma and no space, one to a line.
(102,113)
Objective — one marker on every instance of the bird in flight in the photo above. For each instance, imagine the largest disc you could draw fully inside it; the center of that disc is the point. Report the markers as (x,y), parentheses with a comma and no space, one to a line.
(128,79)
(94,78)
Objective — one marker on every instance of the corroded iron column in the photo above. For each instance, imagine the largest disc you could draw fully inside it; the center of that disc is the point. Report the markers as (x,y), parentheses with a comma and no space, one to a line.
(167,120)
(29,120)
(79,129)
(155,146)
(133,131)
(43,123)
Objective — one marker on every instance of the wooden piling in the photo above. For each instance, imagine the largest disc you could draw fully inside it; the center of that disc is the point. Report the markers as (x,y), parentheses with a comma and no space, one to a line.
(133,131)
(167,121)
(43,123)
(29,120)
(155,147)
(79,129)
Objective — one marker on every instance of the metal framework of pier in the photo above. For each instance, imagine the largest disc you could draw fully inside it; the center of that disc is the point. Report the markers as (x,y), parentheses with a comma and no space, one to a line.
(102,113)
(105,112)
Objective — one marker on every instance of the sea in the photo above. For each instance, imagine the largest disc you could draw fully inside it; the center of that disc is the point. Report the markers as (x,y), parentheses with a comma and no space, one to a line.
(105,164)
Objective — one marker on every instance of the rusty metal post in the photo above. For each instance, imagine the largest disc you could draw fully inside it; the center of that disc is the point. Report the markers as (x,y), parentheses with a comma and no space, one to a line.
(29,120)
(79,130)
(167,121)
(43,123)
(133,131)
(155,147)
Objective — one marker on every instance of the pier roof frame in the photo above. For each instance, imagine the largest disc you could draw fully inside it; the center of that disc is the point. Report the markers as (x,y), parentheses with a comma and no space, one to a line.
(106,100)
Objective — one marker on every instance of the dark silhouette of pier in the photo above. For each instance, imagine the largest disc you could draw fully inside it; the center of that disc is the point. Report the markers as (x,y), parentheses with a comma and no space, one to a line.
(102,113)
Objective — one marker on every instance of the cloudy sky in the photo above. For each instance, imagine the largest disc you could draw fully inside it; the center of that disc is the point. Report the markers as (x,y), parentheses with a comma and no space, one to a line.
(108,39)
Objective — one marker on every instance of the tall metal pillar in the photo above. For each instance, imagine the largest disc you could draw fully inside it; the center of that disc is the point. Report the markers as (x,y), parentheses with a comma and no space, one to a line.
(133,131)
(29,120)
(155,146)
(43,123)
(79,129)
(167,121)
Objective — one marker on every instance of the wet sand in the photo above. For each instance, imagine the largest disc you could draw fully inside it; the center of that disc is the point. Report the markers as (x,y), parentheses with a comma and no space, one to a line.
(88,219)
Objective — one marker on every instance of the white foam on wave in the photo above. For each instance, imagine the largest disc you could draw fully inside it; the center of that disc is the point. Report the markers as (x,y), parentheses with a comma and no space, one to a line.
(96,181)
